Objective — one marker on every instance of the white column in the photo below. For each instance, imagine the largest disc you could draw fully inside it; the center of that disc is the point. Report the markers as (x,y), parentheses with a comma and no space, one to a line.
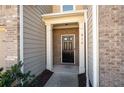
(49,45)
(95,47)
(81,48)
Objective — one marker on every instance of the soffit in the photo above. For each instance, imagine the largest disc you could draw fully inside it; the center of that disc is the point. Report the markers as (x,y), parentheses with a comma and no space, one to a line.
(65,17)
(66,25)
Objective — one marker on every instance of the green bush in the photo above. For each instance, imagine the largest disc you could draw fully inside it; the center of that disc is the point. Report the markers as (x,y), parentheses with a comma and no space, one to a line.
(15,77)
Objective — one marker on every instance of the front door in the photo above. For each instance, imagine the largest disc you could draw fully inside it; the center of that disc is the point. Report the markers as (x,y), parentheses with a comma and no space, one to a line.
(68,49)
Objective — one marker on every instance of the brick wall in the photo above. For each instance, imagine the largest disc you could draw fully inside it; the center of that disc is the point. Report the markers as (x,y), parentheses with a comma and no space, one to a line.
(111,45)
(57,43)
(10,20)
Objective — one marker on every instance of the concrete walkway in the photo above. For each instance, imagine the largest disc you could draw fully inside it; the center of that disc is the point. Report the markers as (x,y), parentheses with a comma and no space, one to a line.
(64,76)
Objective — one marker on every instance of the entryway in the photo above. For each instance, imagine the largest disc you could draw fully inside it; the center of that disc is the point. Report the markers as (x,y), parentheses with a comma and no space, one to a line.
(64,76)
(64,21)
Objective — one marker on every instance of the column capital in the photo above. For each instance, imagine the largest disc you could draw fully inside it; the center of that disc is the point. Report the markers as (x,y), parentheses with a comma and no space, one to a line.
(49,27)
(48,24)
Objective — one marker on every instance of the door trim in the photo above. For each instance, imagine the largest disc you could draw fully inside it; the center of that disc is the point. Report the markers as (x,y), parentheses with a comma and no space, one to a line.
(74,47)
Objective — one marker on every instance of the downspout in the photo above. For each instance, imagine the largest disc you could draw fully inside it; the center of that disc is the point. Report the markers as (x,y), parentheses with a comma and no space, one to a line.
(95,46)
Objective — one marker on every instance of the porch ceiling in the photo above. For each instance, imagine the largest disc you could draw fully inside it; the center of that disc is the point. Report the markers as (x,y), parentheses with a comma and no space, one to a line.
(65,17)
(66,25)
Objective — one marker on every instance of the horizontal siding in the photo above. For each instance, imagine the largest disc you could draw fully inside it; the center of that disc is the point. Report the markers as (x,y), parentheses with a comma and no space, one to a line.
(90,45)
(34,38)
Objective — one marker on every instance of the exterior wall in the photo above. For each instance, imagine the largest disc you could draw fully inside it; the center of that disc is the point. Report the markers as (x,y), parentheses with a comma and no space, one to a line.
(35,38)
(57,43)
(57,8)
(86,6)
(9,20)
(90,43)
(111,45)
(79,7)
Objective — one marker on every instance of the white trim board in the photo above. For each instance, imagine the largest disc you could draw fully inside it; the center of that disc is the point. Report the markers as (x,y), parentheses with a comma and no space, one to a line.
(95,46)
(21,37)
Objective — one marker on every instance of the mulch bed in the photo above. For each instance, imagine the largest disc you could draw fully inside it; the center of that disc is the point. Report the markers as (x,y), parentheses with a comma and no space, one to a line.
(82,80)
(41,79)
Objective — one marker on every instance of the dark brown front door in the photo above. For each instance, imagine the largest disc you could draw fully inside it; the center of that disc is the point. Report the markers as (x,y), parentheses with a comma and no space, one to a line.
(68,49)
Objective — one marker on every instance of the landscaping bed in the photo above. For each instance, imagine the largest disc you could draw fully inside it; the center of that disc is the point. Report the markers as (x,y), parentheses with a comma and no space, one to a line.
(41,79)
(82,80)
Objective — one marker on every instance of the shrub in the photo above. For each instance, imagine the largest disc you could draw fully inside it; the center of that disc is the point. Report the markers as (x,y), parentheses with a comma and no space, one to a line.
(15,77)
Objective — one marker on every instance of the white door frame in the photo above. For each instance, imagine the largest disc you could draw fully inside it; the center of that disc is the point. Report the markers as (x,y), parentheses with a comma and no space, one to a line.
(74,47)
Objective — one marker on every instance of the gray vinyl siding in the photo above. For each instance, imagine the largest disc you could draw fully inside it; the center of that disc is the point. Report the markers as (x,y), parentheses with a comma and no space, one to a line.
(90,45)
(34,38)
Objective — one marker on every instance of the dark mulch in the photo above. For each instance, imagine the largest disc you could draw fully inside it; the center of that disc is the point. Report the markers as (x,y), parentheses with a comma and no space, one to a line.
(42,79)
(82,80)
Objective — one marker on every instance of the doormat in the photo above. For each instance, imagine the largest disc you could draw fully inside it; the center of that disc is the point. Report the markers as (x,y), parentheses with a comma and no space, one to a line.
(82,80)
(41,79)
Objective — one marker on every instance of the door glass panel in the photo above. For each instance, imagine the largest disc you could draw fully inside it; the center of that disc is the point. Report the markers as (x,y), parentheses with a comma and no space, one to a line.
(65,38)
(70,38)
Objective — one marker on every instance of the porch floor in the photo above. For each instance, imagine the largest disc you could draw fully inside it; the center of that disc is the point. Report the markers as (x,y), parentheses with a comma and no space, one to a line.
(64,76)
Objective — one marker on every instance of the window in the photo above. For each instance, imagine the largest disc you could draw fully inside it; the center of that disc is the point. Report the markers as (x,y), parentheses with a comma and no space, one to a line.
(67,7)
